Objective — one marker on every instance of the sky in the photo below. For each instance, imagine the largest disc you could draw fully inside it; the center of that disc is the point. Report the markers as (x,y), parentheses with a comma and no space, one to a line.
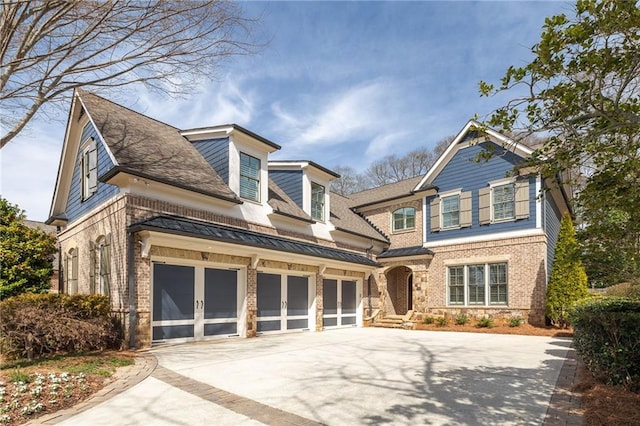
(339,83)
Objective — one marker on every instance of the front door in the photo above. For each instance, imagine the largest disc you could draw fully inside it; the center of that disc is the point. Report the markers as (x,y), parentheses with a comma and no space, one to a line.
(340,302)
(194,303)
(283,302)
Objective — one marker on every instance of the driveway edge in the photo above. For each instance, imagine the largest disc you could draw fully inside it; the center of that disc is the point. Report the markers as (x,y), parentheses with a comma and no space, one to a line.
(564,406)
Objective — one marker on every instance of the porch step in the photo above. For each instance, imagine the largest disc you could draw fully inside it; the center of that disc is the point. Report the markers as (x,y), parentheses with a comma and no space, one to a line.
(394,321)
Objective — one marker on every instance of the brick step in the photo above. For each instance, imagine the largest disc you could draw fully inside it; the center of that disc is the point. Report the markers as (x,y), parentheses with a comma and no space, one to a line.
(390,321)
(386,325)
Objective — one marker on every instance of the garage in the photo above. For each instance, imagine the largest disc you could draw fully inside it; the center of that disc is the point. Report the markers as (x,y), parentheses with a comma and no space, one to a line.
(196,302)
(285,303)
(340,302)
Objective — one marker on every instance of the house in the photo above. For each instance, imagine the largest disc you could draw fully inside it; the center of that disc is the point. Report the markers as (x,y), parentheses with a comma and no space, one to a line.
(197,234)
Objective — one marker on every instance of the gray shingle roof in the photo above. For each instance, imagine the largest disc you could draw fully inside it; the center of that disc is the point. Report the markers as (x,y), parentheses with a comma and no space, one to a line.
(194,228)
(385,192)
(151,149)
(405,251)
(284,205)
(345,219)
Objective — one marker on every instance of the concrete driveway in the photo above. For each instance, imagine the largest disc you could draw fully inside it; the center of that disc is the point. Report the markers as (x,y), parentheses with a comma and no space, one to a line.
(345,377)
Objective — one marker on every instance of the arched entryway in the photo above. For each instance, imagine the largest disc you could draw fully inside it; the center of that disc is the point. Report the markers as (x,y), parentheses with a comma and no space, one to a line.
(400,290)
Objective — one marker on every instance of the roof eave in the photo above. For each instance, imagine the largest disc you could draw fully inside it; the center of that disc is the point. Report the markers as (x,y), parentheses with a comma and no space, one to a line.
(119,169)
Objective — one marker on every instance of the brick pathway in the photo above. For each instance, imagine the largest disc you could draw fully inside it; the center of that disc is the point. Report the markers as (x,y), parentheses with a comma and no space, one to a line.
(564,407)
(241,405)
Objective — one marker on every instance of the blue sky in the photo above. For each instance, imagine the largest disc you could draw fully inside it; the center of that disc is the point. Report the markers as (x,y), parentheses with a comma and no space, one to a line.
(340,83)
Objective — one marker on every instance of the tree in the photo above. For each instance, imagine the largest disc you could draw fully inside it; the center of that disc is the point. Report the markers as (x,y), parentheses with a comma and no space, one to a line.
(349,182)
(581,93)
(392,168)
(568,281)
(26,253)
(48,48)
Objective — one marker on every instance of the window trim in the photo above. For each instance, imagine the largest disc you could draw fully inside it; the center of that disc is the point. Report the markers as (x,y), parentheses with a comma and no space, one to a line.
(486,284)
(405,228)
(258,180)
(322,202)
(457,193)
(88,174)
(498,184)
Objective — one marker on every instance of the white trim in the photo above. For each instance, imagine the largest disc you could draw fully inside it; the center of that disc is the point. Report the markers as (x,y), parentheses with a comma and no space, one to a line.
(424,220)
(442,196)
(495,184)
(482,238)
(104,143)
(507,143)
(539,201)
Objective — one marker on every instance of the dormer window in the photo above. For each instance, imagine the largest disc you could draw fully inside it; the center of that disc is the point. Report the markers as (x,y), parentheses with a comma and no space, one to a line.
(317,201)
(89,167)
(404,219)
(249,177)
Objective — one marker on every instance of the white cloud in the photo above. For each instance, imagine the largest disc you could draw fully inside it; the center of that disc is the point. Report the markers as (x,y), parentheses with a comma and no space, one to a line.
(29,166)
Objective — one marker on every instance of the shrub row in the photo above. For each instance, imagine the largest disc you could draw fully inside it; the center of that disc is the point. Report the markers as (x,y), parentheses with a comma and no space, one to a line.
(36,325)
(606,334)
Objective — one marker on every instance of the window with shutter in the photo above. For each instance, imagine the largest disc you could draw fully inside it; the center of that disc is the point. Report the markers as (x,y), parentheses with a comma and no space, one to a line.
(89,166)
(450,207)
(249,177)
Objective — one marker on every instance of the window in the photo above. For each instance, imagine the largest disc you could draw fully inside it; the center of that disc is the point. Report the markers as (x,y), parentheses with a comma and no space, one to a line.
(476,284)
(317,201)
(498,284)
(503,202)
(89,168)
(249,177)
(72,271)
(470,284)
(456,285)
(451,211)
(404,218)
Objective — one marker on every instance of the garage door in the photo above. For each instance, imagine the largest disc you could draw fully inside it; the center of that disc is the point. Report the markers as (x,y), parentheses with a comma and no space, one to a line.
(194,303)
(339,298)
(283,302)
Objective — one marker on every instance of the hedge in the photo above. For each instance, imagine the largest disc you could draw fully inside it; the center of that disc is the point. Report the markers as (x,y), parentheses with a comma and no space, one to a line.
(606,335)
(37,325)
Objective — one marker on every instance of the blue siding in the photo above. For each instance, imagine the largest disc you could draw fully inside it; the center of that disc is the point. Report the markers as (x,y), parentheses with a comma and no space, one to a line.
(75,206)
(552,218)
(466,173)
(290,181)
(216,152)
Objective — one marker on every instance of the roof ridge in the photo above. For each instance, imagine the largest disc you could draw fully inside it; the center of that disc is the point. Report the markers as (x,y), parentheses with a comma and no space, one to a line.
(86,92)
(388,184)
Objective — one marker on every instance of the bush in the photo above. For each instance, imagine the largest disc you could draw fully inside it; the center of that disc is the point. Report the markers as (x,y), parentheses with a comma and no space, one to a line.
(36,325)
(606,336)
(428,320)
(568,280)
(628,290)
(442,322)
(515,321)
(462,319)
(485,322)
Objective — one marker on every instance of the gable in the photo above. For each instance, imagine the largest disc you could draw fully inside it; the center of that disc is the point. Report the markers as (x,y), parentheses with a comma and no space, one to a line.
(75,206)
(463,171)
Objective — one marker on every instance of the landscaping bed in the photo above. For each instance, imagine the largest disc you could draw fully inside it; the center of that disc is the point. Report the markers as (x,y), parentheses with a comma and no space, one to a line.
(499,327)
(30,389)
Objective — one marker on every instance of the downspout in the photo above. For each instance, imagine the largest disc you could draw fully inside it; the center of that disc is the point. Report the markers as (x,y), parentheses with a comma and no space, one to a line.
(132,287)
(60,273)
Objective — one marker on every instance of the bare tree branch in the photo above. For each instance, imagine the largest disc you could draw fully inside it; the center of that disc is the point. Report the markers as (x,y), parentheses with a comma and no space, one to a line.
(48,48)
